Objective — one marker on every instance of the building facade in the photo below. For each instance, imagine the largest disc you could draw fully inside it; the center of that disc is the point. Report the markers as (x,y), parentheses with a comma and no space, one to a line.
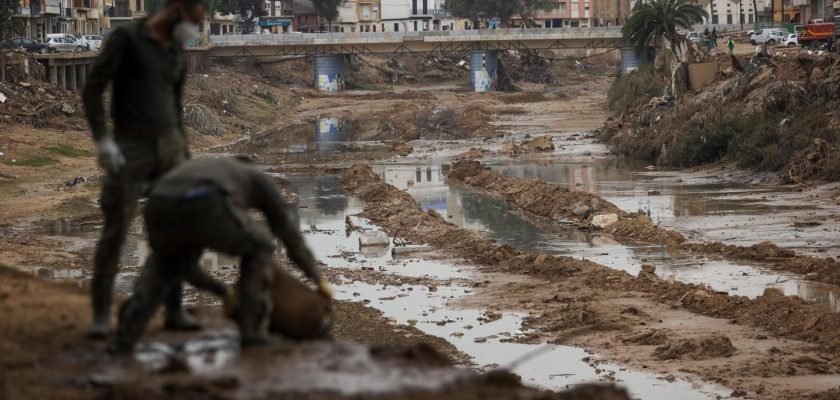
(568,14)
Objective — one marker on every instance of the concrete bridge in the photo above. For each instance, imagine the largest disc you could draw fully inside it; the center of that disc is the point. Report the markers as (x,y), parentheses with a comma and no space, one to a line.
(329,49)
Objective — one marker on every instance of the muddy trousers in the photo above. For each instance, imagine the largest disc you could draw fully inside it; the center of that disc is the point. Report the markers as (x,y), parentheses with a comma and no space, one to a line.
(162,274)
(180,228)
(146,159)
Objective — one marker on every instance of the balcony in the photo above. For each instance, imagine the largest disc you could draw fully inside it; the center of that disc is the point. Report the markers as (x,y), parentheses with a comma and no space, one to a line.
(119,12)
(800,3)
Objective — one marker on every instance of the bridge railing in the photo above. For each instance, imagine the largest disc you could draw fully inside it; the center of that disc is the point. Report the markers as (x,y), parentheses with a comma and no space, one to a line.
(346,37)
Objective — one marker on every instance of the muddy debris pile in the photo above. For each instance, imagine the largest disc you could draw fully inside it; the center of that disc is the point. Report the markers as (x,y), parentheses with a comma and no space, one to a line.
(713,346)
(27,98)
(768,113)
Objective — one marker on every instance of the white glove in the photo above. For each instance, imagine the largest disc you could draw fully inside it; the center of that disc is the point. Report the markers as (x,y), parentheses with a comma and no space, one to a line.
(109,155)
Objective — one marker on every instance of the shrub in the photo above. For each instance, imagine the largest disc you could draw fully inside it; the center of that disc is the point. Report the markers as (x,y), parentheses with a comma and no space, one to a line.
(634,89)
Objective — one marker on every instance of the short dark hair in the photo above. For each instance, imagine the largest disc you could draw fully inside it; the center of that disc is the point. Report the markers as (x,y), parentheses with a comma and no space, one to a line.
(187,4)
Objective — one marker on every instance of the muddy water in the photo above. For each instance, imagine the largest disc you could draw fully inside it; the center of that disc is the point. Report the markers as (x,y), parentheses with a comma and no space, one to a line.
(701,207)
(322,211)
(473,210)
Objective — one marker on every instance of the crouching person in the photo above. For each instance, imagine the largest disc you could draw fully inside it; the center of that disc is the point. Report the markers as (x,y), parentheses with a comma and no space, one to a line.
(204,204)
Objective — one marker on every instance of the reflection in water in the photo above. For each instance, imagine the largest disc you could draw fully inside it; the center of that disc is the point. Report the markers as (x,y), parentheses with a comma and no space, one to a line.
(477,211)
(326,140)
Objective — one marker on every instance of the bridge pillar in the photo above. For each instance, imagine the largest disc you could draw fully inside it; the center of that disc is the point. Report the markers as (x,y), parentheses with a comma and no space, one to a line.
(71,72)
(81,75)
(329,72)
(484,67)
(53,74)
(62,78)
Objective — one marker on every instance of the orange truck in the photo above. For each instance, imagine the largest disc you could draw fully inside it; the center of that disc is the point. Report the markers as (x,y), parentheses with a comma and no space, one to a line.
(815,33)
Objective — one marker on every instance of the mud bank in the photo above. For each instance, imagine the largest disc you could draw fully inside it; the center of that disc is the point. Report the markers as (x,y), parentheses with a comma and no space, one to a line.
(558,205)
(46,356)
(583,299)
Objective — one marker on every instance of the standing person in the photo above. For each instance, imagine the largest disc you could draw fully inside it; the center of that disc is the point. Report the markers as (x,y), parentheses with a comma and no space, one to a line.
(714,36)
(144,63)
(731,45)
(706,33)
(204,204)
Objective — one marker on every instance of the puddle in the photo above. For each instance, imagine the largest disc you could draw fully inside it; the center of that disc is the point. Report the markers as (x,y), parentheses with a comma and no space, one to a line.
(329,140)
(487,339)
(491,216)
(700,207)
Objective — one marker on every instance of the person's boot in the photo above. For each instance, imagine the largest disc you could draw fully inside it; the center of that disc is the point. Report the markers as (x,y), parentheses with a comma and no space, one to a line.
(177,318)
(101,287)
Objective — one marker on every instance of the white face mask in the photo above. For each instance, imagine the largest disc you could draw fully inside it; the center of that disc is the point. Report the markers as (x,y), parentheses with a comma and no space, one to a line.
(184,31)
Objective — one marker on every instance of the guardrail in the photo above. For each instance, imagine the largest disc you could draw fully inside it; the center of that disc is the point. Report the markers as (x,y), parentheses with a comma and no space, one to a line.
(292,38)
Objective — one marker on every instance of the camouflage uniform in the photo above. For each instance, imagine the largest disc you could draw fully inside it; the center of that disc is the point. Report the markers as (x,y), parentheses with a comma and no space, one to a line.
(147,84)
(204,204)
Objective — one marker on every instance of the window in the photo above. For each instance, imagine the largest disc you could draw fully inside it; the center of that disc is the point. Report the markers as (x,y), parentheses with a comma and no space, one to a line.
(396,27)
(374,28)
(575,10)
(562,6)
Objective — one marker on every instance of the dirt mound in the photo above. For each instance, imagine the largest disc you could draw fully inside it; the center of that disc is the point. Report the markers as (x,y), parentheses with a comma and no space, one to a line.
(810,163)
(535,145)
(653,337)
(713,346)
(398,213)
(640,227)
(537,197)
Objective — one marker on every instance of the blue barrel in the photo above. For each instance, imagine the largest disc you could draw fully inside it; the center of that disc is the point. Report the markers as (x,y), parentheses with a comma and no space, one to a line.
(484,68)
(329,72)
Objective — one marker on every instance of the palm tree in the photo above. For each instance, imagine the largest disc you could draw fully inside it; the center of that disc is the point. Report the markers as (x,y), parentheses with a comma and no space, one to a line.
(655,23)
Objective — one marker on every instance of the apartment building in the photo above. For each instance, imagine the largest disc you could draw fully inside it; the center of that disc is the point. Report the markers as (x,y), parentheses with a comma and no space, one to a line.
(417,16)
(730,12)
(279,16)
(41,17)
(568,14)
(122,12)
(611,12)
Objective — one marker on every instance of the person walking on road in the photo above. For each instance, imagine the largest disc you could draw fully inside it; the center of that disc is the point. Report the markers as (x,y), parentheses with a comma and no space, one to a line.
(204,204)
(145,66)
(731,45)
(714,36)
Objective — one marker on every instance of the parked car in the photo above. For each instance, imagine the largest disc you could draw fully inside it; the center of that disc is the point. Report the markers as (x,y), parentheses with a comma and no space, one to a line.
(28,44)
(769,36)
(791,40)
(91,42)
(694,37)
(63,42)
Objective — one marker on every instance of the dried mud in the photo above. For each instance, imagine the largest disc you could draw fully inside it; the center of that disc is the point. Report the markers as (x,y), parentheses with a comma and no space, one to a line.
(584,291)
(46,356)
(558,205)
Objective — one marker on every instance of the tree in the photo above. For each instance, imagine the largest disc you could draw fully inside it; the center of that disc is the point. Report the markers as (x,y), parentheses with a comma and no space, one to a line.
(328,10)
(656,23)
(473,10)
(246,9)
(9,27)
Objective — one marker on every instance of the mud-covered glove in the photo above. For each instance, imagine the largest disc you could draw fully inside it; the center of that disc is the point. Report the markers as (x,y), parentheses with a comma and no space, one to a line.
(324,289)
(108,155)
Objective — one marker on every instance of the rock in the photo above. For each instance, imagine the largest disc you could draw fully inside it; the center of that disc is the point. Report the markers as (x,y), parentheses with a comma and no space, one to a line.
(67,109)
(540,144)
(582,211)
(374,238)
(540,260)
(602,221)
